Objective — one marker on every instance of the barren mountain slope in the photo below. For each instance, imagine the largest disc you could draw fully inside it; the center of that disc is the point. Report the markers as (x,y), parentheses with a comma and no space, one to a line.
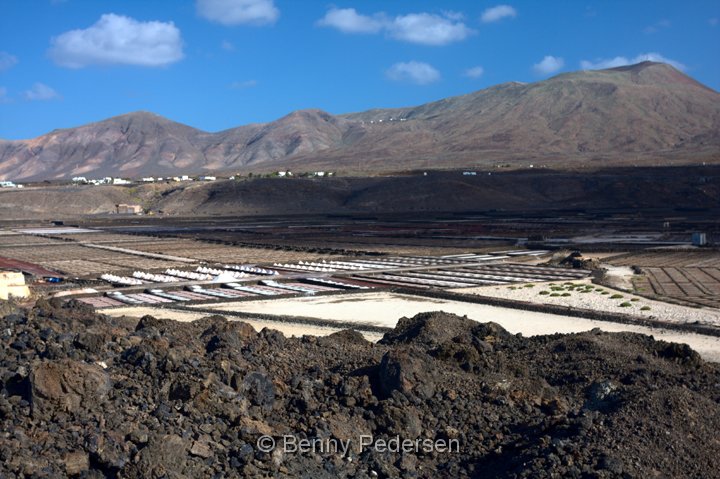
(648,113)
(304,131)
(128,145)
(622,113)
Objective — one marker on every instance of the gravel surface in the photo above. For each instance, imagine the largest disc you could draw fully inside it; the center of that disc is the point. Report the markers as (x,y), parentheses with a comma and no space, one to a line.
(586,295)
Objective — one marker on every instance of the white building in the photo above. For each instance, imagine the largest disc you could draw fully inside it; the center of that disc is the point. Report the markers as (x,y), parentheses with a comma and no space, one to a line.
(12,284)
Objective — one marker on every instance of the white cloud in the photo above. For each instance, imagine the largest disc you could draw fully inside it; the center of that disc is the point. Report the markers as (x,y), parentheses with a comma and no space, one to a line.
(348,20)
(497,13)
(119,40)
(241,85)
(422,28)
(475,72)
(7,61)
(238,12)
(414,72)
(227,46)
(4,95)
(452,15)
(714,21)
(549,64)
(657,26)
(603,63)
(39,92)
(428,29)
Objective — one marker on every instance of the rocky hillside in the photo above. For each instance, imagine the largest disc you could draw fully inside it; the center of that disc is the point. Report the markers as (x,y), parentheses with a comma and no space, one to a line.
(649,113)
(621,113)
(83,395)
(629,189)
(144,144)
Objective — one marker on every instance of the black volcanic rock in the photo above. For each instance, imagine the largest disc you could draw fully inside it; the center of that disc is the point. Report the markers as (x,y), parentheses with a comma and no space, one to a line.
(153,401)
(67,387)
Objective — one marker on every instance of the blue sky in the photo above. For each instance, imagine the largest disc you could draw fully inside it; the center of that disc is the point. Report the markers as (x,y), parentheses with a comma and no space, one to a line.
(217,64)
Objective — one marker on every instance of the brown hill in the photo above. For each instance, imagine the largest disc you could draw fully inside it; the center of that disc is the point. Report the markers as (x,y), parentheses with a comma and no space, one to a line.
(300,132)
(618,114)
(648,113)
(629,189)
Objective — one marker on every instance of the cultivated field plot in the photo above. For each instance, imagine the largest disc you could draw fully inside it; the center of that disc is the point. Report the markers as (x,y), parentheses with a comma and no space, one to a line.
(62,251)
(113,264)
(699,286)
(160,245)
(70,255)
(103,238)
(14,239)
(399,246)
(56,230)
(472,276)
(668,258)
(215,253)
(74,259)
(153,294)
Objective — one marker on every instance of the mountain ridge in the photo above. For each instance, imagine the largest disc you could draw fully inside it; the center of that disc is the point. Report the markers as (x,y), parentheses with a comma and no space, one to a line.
(646,112)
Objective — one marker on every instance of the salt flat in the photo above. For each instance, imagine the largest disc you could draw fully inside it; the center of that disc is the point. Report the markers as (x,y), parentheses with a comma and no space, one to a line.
(384,309)
(596,301)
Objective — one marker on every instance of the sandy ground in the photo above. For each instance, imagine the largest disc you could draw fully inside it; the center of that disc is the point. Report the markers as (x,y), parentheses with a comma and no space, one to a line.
(385,309)
(288,329)
(600,302)
(619,276)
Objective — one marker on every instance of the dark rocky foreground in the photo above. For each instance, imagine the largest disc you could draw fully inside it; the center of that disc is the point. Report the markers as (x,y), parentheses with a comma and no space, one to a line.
(89,396)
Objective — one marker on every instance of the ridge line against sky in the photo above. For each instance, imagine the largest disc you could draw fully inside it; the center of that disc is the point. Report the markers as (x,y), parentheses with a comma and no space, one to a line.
(217,64)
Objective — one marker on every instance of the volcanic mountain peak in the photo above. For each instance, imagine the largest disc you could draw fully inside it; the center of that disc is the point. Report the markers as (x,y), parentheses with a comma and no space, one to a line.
(308,113)
(637,113)
(144,119)
(646,73)
(655,72)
